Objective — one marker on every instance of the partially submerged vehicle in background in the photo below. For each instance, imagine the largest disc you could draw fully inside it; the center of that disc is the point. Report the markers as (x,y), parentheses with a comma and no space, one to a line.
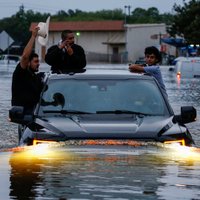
(9,59)
(8,62)
(103,104)
(187,67)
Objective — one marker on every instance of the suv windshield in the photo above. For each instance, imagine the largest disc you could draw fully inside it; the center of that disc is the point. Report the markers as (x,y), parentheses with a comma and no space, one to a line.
(103,96)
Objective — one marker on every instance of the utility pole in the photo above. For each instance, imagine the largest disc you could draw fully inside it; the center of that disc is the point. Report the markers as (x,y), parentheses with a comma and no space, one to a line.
(125,14)
(160,36)
(125,22)
(129,12)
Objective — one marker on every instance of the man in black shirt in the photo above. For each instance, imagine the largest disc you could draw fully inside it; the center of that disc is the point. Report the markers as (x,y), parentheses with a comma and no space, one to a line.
(66,56)
(26,83)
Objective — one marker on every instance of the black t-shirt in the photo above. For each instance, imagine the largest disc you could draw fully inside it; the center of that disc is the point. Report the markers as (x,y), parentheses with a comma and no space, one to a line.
(26,88)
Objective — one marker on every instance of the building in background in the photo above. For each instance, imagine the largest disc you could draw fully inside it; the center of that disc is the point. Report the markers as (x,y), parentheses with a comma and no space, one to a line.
(139,36)
(109,41)
(103,41)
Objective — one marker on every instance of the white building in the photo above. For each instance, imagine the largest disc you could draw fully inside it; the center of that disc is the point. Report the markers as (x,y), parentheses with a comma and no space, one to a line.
(139,36)
(108,41)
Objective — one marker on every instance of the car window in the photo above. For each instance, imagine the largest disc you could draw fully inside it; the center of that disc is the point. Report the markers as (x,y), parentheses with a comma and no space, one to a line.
(104,95)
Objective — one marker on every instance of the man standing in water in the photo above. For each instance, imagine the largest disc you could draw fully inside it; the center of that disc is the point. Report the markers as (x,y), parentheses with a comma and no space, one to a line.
(26,83)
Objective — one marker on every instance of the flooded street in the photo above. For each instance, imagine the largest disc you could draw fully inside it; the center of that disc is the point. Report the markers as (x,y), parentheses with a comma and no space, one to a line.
(105,172)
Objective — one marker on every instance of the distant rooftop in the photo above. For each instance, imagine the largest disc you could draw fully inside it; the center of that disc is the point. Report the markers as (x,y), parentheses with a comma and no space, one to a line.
(115,25)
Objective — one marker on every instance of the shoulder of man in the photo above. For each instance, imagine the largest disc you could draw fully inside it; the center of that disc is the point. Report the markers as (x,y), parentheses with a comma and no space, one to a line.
(19,72)
(78,48)
(19,68)
(53,48)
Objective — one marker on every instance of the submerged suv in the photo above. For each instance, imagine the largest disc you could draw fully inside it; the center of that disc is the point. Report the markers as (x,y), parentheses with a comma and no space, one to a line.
(103,104)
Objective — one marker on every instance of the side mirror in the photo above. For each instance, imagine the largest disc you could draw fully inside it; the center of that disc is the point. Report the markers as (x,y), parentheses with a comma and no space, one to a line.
(59,99)
(16,115)
(188,114)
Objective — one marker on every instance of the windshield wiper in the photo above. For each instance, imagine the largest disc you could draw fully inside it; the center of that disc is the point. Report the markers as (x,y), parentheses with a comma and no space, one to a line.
(66,111)
(121,112)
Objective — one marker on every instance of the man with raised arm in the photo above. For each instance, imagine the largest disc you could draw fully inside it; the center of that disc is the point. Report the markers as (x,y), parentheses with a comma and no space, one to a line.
(26,82)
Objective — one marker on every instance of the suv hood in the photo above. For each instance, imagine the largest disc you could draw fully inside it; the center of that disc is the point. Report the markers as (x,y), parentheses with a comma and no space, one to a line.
(106,126)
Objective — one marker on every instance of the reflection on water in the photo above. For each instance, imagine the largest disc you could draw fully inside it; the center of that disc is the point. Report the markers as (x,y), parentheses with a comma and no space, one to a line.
(24,177)
(182,178)
(104,172)
(31,172)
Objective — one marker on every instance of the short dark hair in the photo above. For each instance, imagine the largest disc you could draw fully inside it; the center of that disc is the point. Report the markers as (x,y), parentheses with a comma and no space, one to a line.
(33,55)
(153,50)
(65,33)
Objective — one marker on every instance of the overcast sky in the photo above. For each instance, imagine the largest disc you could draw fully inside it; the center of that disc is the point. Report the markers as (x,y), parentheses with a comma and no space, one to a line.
(10,7)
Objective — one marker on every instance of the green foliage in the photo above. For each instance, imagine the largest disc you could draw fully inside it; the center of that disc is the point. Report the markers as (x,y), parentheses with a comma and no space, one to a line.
(17,26)
(186,22)
(151,15)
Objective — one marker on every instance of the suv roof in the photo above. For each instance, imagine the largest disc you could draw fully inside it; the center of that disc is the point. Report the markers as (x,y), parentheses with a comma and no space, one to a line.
(103,73)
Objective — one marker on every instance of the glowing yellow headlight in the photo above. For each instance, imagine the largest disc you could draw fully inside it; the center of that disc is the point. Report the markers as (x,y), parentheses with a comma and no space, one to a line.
(35,142)
(181,142)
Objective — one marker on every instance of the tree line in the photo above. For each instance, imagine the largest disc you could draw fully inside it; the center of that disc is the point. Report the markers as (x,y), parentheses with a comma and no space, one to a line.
(184,22)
